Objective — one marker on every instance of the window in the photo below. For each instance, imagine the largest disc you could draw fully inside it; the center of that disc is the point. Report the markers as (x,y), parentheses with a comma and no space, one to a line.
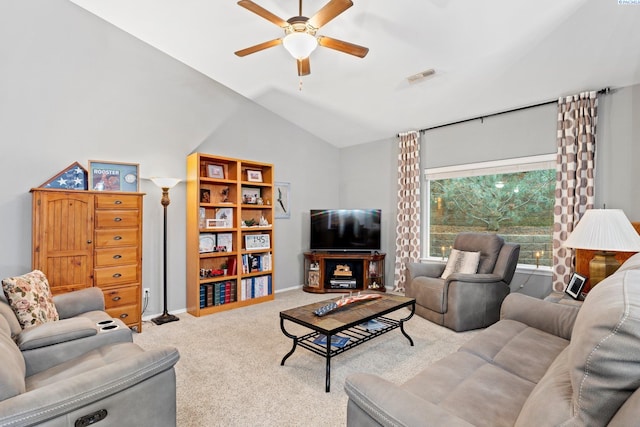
(513,198)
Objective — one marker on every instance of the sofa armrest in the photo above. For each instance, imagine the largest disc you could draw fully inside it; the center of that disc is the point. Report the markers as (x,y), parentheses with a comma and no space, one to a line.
(48,402)
(74,303)
(556,319)
(57,332)
(427,268)
(390,405)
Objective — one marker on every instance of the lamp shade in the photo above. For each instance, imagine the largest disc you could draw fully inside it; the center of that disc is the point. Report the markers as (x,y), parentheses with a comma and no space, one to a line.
(604,230)
(300,44)
(165,182)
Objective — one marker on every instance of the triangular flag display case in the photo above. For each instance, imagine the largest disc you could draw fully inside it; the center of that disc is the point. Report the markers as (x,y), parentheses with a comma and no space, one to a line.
(229,233)
(73,177)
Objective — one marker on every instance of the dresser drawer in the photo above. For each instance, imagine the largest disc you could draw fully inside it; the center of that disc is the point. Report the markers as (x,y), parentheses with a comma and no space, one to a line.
(128,314)
(117,218)
(120,297)
(108,276)
(116,256)
(117,201)
(111,238)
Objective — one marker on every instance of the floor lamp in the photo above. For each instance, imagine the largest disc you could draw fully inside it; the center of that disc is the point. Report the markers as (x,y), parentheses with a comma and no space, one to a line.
(165,184)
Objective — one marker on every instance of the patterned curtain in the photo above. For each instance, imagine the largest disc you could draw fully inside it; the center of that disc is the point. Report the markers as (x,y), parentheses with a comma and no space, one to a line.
(408,219)
(575,172)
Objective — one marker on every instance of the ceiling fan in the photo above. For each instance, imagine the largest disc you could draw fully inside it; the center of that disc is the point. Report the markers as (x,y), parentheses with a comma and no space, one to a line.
(300,33)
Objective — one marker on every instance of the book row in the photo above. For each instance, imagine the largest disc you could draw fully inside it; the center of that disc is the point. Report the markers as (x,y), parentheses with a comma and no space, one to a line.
(219,293)
(255,287)
(252,263)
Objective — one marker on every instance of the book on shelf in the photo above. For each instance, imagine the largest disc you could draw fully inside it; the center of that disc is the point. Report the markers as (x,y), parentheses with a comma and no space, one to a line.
(255,287)
(252,263)
(336,340)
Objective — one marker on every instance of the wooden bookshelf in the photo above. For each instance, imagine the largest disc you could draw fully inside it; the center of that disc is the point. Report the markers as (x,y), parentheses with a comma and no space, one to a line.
(227,199)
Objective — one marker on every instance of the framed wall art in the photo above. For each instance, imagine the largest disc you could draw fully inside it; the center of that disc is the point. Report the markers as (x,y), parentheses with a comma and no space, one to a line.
(281,199)
(113,176)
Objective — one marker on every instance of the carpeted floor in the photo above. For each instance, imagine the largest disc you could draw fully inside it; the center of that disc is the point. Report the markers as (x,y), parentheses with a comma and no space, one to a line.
(229,372)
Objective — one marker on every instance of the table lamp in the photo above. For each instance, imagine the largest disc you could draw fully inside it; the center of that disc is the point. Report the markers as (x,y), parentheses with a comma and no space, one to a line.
(165,184)
(606,231)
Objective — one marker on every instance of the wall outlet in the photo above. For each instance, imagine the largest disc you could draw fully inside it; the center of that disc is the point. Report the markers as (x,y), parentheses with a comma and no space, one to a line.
(146,292)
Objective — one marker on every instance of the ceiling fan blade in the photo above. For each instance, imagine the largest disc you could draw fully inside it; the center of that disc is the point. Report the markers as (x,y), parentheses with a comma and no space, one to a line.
(304,67)
(259,10)
(342,46)
(329,11)
(258,47)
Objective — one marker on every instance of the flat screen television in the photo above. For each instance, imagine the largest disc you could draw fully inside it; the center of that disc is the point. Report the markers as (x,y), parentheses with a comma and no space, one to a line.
(345,230)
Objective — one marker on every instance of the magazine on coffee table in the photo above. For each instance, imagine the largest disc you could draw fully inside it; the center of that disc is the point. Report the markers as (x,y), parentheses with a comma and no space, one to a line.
(373,325)
(336,340)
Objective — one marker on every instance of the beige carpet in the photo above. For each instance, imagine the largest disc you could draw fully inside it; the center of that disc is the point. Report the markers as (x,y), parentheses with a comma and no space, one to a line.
(229,372)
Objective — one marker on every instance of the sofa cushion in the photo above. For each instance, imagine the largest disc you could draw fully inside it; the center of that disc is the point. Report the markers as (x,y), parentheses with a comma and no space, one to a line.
(461,262)
(603,354)
(488,244)
(12,367)
(7,312)
(30,298)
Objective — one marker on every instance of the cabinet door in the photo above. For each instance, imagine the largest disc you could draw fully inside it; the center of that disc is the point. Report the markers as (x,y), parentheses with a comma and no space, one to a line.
(63,240)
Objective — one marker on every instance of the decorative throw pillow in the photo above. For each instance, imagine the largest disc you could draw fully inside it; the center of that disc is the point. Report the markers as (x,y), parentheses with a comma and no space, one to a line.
(461,262)
(30,298)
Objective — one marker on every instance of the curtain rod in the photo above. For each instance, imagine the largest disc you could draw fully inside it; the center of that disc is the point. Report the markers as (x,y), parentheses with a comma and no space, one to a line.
(604,90)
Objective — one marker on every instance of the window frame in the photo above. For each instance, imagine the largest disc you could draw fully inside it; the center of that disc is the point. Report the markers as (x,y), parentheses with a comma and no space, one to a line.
(493,167)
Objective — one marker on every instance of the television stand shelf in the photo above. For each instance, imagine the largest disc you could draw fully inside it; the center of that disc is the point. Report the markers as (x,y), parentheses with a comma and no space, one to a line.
(343,271)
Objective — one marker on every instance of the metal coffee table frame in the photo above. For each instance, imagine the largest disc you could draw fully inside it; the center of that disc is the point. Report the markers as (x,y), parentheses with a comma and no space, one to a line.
(357,333)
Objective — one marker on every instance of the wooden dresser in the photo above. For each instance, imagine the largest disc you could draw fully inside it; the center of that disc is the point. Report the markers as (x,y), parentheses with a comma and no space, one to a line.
(91,238)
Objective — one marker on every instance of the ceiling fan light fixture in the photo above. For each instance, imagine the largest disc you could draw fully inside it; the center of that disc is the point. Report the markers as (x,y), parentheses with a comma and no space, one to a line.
(300,44)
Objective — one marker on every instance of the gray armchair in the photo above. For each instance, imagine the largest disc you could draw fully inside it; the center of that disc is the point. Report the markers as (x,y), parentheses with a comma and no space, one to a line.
(465,301)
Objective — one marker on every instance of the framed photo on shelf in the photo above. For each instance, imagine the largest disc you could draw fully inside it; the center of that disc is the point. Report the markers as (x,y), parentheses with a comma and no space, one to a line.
(226,240)
(215,171)
(113,176)
(216,223)
(281,199)
(575,285)
(205,195)
(257,241)
(254,175)
(207,242)
(250,195)
(226,217)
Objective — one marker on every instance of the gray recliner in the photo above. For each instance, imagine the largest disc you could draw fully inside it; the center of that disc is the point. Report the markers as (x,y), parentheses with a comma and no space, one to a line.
(465,301)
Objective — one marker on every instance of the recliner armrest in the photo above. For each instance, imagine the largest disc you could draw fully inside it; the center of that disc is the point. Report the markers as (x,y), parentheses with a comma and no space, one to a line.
(556,319)
(57,332)
(390,405)
(74,303)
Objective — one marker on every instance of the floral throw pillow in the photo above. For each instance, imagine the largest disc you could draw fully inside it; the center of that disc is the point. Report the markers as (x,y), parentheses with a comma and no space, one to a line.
(30,298)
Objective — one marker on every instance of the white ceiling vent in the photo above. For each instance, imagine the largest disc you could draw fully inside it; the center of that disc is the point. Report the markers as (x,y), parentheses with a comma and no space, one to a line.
(421,76)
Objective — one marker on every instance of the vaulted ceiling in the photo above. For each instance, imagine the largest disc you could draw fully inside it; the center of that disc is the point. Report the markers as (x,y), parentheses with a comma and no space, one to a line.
(489,56)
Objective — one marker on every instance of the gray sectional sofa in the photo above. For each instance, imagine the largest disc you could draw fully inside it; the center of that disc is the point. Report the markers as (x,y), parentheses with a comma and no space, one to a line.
(542,364)
(82,370)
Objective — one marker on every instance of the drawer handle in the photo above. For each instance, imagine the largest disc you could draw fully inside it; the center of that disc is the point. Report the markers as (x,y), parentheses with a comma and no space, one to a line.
(116,298)
(117,238)
(117,219)
(118,202)
(124,315)
(117,275)
(117,256)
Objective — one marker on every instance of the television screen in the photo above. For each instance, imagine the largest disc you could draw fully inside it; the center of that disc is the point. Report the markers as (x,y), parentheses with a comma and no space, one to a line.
(345,230)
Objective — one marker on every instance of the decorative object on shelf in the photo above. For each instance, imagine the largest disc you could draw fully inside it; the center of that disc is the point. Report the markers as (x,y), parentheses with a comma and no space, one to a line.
(250,195)
(263,222)
(112,176)
(207,242)
(314,278)
(215,171)
(226,215)
(575,285)
(224,195)
(73,177)
(257,241)
(165,184)
(226,241)
(205,195)
(342,270)
(606,231)
(282,190)
(344,301)
(254,175)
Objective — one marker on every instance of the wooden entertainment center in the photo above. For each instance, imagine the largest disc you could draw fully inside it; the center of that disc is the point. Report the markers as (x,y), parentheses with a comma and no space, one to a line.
(343,271)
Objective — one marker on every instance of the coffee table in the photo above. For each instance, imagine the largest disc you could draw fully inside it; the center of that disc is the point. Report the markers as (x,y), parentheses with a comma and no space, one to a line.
(348,321)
